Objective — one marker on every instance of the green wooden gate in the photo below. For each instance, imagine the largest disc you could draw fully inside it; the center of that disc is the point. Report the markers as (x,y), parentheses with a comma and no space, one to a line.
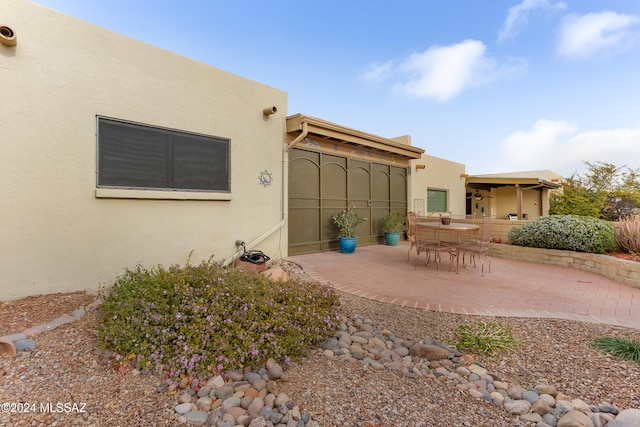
(321,184)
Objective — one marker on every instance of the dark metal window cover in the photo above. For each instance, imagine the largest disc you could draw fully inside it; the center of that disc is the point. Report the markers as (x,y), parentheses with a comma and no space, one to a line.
(436,200)
(133,155)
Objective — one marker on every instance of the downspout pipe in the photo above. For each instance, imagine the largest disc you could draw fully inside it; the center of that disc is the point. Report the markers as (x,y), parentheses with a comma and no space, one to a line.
(285,197)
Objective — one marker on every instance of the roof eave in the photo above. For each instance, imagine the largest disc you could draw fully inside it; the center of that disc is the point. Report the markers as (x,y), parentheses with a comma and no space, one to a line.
(502,181)
(333,131)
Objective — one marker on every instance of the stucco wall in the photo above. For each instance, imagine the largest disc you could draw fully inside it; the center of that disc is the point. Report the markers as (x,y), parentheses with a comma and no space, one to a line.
(55,234)
(532,202)
(438,174)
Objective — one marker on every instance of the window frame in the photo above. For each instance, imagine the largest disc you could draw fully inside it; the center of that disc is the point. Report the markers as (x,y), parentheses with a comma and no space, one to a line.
(172,190)
(446,199)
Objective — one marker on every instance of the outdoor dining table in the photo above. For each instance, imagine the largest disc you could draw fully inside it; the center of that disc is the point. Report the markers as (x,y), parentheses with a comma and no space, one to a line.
(456,229)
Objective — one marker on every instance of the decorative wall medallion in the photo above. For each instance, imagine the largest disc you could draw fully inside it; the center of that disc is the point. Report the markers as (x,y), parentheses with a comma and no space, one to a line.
(265,178)
(335,147)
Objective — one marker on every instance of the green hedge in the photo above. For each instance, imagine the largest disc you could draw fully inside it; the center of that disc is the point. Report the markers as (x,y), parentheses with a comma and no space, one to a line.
(567,232)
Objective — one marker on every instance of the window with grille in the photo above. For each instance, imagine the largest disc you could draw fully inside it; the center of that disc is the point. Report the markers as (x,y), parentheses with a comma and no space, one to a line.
(133,155)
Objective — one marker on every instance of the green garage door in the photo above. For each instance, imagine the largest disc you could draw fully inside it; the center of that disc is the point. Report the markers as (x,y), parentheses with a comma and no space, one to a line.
(322,184)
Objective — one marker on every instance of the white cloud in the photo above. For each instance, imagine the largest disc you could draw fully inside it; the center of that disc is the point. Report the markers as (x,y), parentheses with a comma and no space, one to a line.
(441,72)
(519,15)
(585,35)
(378,72)
(558,146)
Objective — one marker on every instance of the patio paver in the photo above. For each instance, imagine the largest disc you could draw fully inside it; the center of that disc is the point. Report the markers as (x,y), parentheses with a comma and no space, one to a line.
(512,289)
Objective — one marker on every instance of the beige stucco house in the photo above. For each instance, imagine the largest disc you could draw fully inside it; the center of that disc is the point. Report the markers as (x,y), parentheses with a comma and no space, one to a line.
(115,153)
(79,206)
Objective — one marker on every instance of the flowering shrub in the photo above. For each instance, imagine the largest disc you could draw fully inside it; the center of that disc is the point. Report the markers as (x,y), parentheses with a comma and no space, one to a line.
(347,220)
(200,320)
(567,232)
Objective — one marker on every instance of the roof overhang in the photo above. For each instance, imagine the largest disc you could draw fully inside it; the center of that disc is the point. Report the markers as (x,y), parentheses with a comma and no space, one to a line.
(486,182)
(325,131)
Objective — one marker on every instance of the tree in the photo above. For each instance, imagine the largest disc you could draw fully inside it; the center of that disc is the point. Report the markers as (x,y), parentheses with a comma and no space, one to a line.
(603,191)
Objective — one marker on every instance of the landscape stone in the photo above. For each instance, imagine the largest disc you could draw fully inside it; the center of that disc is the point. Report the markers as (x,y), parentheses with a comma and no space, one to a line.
(515,392)
(550,420)
(600,419)
(477,369)
(575,418)
(275,371)
(426,351)
(531,418)
(541,407)
(530,396)
(631,416)
(231,402)
(182,408)
(517,407)
(258,422)
(196,416)
(25,345)
(14,337)
(580,405)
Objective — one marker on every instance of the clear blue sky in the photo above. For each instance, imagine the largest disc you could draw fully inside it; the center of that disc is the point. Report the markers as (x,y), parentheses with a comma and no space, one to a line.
(500,86)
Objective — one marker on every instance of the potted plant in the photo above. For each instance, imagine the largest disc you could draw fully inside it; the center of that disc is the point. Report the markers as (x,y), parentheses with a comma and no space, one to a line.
(392,225)
(445,218)
(347,220)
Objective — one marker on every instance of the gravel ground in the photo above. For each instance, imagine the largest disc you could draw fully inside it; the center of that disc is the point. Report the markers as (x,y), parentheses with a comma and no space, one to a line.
(68,368)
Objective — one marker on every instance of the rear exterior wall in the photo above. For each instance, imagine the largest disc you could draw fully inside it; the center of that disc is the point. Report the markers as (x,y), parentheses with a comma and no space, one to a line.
(58,232)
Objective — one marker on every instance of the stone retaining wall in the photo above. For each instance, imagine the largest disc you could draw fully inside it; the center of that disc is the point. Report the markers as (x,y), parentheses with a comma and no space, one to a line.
(501,228)
(616,269)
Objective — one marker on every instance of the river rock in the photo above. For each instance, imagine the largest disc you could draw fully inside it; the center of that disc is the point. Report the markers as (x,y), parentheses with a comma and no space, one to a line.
(575,418)
(517,407)
(425,351)
(631,416)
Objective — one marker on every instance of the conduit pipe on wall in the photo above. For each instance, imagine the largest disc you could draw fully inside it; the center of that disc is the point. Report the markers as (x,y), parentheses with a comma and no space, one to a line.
(8,36)
(267,111)
(285,197)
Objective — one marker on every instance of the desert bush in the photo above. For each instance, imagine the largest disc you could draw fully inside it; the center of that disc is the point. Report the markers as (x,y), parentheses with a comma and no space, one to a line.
(567,232)
(628,234)
(200,320)
(487,338)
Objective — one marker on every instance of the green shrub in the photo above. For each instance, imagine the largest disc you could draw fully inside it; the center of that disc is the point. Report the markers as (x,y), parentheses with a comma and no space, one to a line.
(628,234)
(486,338)
(200,320)
(394,222)
(622,348)
(567,232)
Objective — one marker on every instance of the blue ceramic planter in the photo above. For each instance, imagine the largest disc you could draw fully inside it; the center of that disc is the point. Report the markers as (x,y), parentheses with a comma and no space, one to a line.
(392,239)
(347,244)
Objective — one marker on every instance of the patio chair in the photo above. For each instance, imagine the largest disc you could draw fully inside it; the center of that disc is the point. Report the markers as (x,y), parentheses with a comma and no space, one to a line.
(412,220)
(428,240)
(479,247)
